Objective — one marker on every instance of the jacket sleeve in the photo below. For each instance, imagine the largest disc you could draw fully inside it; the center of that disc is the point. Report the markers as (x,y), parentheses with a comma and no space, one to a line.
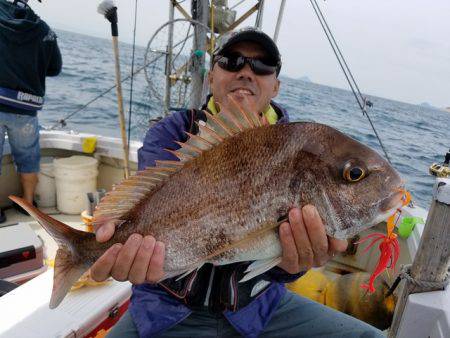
(277,274)
(55,63)
(163,136)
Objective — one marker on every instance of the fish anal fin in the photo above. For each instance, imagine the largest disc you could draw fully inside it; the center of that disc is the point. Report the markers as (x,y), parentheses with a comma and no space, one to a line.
(259,267)
(66,273)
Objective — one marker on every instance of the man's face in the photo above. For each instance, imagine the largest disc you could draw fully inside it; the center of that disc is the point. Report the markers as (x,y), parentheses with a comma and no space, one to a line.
(251,91)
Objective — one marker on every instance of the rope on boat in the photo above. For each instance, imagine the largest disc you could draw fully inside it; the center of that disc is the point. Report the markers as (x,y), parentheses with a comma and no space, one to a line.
(132,76)
(405,273)
(363,102)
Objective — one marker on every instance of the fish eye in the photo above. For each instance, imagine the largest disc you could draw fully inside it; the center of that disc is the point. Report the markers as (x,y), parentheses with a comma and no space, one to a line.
(353,173)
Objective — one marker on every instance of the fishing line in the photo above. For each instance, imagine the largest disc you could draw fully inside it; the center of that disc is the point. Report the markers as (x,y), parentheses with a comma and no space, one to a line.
(362,101)
(132,76)
(328,34)
(319,11)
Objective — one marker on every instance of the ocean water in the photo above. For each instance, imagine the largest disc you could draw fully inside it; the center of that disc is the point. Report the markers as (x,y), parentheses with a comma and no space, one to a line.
(414,136)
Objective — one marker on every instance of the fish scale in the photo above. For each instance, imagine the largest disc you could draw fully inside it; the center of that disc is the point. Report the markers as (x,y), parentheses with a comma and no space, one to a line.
(223,201)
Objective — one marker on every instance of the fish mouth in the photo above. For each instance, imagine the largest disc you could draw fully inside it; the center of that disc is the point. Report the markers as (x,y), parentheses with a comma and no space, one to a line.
(388,206)
(393,201)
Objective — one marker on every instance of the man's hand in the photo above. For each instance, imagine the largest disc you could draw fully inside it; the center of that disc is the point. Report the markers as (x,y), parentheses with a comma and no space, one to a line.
(304,241)
(139,260)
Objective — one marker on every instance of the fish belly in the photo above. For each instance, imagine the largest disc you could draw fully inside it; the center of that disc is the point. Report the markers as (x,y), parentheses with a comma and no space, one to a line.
(266,246)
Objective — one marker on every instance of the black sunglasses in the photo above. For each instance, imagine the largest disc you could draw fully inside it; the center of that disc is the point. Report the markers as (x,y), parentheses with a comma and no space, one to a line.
(235,62)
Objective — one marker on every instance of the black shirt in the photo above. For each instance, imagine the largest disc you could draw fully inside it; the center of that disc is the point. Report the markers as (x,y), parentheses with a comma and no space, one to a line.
(28,52)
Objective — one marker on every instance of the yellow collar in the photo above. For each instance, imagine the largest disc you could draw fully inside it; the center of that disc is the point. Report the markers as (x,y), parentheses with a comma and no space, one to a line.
(269,113)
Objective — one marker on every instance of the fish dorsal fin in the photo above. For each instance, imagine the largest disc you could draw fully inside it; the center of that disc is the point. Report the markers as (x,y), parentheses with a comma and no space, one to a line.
(217,128)
(125,195)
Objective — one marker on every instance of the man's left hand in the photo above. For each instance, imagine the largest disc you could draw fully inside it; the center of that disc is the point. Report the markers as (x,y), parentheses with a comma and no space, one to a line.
(304,241)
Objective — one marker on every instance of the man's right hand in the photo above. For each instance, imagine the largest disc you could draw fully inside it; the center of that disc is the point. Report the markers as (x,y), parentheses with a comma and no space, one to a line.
(139,260)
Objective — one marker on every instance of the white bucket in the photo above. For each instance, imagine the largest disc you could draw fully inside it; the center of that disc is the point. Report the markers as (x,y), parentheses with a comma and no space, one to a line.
(45,193)
(75,176)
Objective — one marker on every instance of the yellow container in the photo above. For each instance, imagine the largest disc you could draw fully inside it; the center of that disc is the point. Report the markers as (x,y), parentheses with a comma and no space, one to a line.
(87,220)
(89,144)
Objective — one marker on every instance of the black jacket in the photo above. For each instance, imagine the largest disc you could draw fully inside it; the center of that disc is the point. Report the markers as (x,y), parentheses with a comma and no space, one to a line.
(28,52)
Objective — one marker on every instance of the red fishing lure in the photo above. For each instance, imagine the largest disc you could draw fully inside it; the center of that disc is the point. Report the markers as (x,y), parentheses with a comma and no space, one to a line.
(389,247)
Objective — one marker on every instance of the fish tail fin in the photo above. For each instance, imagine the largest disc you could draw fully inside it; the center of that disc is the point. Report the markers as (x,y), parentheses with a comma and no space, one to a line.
(69,266)
(66,274)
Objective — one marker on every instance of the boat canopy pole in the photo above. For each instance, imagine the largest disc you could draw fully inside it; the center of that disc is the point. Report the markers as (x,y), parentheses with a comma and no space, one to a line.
(259,15)
(280,17)
(169,49)
(244,16)
(180,8)
(200,9)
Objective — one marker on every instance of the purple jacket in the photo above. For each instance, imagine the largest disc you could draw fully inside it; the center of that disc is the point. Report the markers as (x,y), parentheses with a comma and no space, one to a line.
(152,308)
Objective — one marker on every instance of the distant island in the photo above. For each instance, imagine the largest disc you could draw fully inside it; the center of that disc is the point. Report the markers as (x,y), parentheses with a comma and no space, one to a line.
(304,79)
(426,104)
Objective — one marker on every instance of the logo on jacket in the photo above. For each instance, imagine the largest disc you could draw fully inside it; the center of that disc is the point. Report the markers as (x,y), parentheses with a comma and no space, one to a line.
(25,97)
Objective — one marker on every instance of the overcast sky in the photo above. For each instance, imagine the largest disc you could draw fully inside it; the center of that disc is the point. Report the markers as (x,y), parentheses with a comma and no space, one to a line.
(398,49)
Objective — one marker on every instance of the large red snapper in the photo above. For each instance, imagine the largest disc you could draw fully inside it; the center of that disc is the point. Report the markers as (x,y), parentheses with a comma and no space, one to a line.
(222,202)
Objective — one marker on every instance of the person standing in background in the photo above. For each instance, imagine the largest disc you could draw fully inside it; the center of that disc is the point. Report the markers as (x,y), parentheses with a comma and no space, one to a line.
(29,53)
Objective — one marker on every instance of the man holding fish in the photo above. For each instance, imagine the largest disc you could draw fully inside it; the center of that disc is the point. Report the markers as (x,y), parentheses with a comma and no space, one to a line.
(210,301)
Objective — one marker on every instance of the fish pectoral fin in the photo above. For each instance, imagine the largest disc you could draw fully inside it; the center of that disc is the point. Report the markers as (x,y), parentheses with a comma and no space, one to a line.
(259,267)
